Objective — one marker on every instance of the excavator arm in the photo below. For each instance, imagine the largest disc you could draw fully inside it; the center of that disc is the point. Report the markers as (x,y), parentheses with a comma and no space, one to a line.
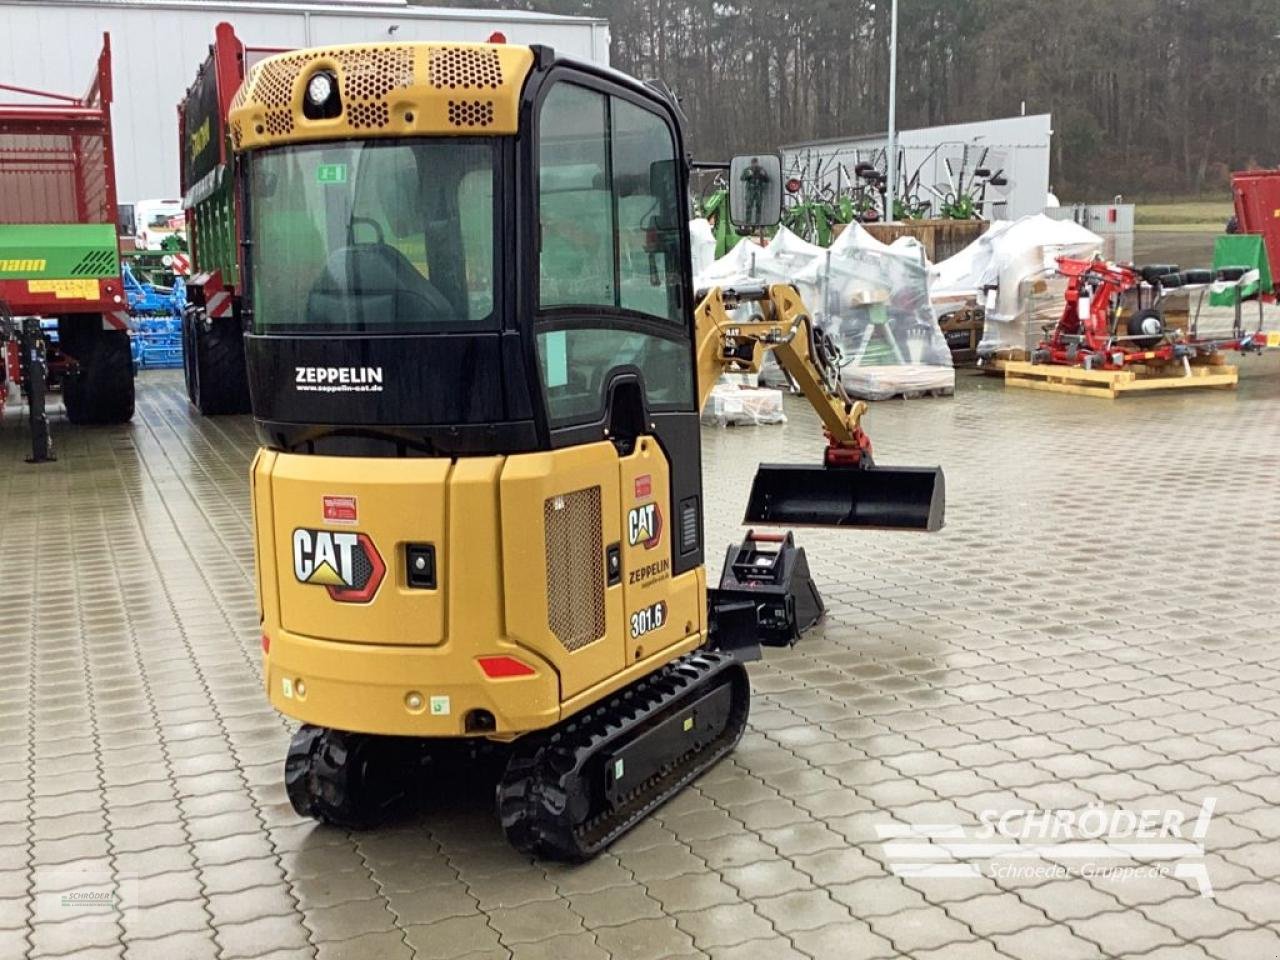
(848,490)
(782,325)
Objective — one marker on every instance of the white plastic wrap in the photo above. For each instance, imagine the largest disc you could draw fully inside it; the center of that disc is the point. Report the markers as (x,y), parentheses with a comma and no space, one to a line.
(730,404)
(899,380)
(702,245)
(873,299)
(1017,258)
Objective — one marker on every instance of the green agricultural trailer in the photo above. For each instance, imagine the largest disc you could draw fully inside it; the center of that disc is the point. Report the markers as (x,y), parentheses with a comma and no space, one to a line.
(212,327)
(59,252)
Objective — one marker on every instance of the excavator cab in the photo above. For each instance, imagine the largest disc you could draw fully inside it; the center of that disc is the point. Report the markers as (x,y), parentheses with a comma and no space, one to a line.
(476,364)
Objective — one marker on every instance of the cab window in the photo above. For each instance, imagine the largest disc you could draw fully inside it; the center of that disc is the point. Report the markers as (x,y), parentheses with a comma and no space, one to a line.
(379,236)
(610,290)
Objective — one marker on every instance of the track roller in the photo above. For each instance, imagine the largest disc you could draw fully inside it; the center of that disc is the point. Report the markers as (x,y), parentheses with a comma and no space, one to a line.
(570,791)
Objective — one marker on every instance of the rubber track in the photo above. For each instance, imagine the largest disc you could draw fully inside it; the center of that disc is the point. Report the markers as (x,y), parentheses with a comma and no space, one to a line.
(351,780)
(541,806)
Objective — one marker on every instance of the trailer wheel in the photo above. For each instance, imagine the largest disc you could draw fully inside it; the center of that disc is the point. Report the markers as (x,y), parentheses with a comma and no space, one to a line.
(1148,327)
(189,351)
(214,364)
(101,389)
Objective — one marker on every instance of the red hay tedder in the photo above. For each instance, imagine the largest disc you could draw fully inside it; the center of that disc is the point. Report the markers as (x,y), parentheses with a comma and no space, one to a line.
(1094,332)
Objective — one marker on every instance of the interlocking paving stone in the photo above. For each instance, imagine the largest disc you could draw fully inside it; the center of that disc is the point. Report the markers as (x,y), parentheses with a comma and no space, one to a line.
(256,937)
(615,906)
(195,946)
(534,921)
(1003,664)
(349,919)
(648,939)
(390,946)
(451,938)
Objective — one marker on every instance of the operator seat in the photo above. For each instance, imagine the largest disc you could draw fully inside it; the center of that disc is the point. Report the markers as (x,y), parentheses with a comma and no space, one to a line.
(374,284)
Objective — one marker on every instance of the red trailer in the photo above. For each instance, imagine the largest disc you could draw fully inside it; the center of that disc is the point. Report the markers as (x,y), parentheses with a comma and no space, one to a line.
(1257,199)
(59,252)
(212,332)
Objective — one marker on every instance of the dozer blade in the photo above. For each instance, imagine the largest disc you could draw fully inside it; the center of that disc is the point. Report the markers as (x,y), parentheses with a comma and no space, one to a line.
(890,498)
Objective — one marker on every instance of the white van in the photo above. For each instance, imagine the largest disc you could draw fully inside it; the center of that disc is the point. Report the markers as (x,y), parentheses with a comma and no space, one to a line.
(157,220)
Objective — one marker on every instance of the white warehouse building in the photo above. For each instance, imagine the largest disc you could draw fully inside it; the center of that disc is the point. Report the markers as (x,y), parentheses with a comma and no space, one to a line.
(1016,146)
(157,45)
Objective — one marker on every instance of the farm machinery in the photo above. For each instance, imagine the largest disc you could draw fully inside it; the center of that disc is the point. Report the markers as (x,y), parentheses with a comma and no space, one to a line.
(1098,331)
(213,326)
(59,255)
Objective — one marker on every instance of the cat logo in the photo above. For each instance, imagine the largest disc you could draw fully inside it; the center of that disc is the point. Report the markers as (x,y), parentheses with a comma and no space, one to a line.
(644,525)
(346,564)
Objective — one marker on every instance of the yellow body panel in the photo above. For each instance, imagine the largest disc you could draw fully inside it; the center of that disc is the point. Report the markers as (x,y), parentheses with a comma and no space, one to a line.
(392,511)
(521,545)
(528,483)
(647,561)
(387,90)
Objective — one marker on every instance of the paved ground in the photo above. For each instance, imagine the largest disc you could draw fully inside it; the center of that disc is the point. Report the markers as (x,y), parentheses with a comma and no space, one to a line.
(1098,624)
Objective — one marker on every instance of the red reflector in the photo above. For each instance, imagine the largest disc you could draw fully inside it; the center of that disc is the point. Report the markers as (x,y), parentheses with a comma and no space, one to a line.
(266,644)
(495,667)
(499,37)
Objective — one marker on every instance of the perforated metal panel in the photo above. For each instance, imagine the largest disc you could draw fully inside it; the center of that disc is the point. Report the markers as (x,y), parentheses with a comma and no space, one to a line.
(575,567)
(386,90)
(471,113)
(272,84)
(371,74)
(462,68)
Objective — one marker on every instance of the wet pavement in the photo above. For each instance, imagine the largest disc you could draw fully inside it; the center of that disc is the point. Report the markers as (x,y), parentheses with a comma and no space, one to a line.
(1096,629)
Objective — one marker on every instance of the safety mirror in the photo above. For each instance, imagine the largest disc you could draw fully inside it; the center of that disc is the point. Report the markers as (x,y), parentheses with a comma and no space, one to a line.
(755,191)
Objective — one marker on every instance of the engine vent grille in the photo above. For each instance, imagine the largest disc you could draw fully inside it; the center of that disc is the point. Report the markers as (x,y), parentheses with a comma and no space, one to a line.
(575,567)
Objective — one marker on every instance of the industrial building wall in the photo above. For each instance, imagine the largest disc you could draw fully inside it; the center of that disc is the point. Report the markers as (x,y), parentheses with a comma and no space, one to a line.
(158,45)
(1019,145)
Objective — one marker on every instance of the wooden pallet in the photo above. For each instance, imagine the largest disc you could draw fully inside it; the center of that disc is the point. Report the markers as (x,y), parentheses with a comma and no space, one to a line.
(993,366)
(1210,372)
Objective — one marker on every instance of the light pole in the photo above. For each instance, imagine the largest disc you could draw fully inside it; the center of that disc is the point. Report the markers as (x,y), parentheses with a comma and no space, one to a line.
(891,172)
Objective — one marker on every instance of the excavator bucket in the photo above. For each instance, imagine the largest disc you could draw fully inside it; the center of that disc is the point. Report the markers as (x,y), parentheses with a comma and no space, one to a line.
(888,498)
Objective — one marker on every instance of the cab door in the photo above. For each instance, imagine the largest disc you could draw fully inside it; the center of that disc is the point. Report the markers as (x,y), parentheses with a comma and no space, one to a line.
(612,326)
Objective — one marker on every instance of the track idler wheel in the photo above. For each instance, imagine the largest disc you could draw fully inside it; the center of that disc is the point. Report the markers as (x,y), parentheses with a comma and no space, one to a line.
(351,780)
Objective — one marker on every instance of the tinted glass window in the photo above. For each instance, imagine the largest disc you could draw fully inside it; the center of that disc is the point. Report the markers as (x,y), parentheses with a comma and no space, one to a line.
(575,205)
(609,205)
(576,363)
(375,235)
(650,215)
(612,221)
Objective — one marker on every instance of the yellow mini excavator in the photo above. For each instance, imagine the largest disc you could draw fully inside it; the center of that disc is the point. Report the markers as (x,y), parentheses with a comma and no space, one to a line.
(476,366)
